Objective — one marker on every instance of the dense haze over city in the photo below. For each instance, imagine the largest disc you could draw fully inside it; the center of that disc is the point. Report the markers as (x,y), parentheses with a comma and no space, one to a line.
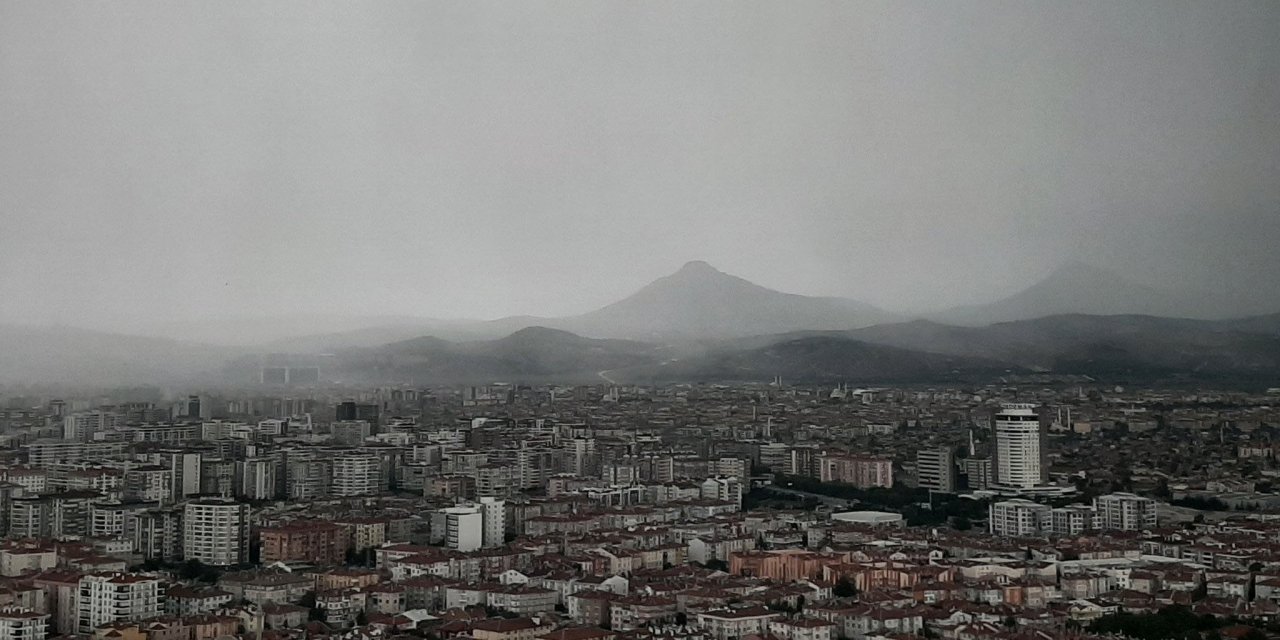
(601,320)
(175,161)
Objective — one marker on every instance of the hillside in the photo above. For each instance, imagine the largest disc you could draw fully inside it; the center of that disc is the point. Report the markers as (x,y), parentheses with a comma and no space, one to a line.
(1078,288)
(1099,345)
(820,358)
(531,354)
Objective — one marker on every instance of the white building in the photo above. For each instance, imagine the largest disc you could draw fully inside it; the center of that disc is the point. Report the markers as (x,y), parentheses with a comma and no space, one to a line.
(1019,454)
(80,427)
(356,474)
(256,478)
(272,427)
(730,467)
(459,528)
(1126,512)
(802,629)
(17,623)
(1073,520)
(222,430)
(723,489)
(936,469)
(117,597)
(495,522)
(1019,517)
(216,532)
(978,472)
(730,624)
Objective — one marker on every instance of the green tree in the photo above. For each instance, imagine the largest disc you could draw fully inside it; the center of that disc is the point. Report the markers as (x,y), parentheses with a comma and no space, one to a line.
(191,569)
(844,589)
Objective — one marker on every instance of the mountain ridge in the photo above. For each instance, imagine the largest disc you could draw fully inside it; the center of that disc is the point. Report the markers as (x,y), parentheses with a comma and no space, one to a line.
(699,301)
(1078,287)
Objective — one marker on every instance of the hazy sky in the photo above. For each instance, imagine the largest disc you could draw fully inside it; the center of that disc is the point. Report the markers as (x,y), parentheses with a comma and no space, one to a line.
(171,159)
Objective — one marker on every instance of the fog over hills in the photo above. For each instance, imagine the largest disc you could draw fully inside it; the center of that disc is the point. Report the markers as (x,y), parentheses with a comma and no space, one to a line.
(818,358)
(701,302)
(1085,289)
(702,324)
(327,175)
(70,356)
(530,354)
(1091,344)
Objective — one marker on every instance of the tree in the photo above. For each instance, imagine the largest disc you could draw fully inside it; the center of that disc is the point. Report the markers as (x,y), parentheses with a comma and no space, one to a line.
(308,600)
(682,619)
(844,589)
(961,523)
(191,569)
(355,557)
(362,618)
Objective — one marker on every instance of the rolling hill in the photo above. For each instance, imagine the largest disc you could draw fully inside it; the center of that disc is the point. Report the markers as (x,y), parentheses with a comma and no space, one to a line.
(530,354)
(1100,345)
(818,358)
(700,302)
(1078,288)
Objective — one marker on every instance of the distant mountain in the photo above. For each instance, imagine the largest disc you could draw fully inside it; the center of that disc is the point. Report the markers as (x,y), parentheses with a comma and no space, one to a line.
(377,335)
(702,302)
(69,356)
(301,332)
(1102,345)
(1267,324)
(1126,347)
(528,355)
(1078,288)
(819,358)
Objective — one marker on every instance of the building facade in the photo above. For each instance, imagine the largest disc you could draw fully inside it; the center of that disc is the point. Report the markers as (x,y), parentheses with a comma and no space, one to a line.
(1019,450)
(216,532)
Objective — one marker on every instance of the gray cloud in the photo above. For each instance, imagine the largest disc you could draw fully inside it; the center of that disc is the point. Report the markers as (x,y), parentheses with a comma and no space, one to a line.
(173,159)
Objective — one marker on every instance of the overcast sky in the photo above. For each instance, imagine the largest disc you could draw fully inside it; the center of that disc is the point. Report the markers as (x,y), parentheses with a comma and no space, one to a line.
(174,159)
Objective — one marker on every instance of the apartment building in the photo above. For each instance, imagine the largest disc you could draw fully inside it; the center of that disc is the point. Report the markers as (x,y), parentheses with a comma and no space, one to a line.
(216,531)
(117,597)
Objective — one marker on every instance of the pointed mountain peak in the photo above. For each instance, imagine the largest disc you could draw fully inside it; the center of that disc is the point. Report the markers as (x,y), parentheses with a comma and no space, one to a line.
(699,267)
(1077,270)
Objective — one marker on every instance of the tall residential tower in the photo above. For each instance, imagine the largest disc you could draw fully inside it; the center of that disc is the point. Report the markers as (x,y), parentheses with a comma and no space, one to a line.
(1019,451)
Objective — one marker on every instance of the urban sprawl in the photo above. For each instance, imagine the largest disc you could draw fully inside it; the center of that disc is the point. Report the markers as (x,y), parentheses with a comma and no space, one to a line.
(681,512)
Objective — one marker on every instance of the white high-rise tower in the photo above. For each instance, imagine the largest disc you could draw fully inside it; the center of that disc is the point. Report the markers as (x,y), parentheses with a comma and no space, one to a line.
(1019,454)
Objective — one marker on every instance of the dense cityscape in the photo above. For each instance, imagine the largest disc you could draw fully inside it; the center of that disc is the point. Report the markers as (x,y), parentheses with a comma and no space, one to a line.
(639,320)
(691,512)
